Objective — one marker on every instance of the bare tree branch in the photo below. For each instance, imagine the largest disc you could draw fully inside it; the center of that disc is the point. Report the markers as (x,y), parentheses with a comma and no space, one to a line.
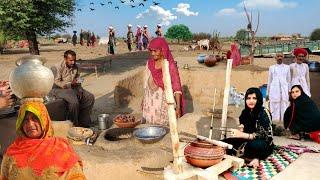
(251,31)
(257,23)
(246,11)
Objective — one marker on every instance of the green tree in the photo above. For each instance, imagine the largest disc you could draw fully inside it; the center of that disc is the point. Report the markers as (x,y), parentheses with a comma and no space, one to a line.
(179,32)
(2,41)
(29,18)
(315,35)
(242,35)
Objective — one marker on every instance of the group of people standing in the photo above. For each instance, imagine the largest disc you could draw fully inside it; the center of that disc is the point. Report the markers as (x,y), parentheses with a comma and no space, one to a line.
(88,36)
(141,38)
(288,89)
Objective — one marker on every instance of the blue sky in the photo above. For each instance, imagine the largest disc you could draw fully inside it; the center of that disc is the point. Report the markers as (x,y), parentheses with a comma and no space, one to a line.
(225,16)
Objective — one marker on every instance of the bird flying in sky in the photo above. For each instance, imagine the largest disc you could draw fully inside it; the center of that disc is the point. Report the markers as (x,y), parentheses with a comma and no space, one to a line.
(155,3)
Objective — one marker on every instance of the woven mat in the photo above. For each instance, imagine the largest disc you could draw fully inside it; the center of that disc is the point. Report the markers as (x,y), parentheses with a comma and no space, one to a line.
(275,163)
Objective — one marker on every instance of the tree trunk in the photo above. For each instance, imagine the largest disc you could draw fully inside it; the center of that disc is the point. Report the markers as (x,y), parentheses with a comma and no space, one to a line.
(33,43)
(253,46)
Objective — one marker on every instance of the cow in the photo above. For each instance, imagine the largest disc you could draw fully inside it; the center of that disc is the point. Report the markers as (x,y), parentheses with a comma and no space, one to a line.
(204,43)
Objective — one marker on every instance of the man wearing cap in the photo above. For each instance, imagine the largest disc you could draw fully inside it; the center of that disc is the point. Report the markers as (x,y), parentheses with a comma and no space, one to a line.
(145,37)
(112,41)
(300,71)
(158,31)
(129,37)
(279,82)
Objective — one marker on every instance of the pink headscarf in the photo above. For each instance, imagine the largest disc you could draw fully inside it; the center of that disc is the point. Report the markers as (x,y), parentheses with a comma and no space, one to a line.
(160,43)
(235,55)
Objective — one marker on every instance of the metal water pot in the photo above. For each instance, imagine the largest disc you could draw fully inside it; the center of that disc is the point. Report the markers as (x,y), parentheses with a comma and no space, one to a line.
(103,121)
(31,79)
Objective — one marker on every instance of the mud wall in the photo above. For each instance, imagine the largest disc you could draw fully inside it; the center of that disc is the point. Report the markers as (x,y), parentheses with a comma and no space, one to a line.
(198,87)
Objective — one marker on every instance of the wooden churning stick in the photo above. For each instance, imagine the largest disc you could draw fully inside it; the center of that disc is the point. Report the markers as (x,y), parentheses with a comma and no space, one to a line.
(213,108)
(177,161)
(226,98)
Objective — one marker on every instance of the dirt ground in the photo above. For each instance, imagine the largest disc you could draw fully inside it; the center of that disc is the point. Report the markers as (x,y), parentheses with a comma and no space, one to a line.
(126,64)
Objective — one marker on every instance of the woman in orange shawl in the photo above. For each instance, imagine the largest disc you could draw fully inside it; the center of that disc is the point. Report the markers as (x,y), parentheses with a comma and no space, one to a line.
(35,153)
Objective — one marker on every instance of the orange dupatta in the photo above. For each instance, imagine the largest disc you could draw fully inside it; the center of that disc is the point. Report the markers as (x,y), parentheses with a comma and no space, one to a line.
(46,152)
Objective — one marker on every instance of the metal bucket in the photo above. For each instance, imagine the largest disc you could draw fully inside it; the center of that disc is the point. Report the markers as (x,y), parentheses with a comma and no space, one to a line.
(103,121)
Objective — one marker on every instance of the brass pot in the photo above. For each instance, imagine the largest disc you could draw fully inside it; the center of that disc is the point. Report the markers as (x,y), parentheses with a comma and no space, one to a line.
(31,79)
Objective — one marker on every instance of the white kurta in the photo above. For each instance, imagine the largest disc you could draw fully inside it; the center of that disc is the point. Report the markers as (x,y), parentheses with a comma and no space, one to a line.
(279,82)
(300,76)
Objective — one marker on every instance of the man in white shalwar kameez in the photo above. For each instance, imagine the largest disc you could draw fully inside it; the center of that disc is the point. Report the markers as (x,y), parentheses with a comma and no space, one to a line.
(300,71)
(279,82)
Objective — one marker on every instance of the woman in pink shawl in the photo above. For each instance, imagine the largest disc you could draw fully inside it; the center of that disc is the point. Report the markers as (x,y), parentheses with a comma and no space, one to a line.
(235,55)
(139,38)
(154,101)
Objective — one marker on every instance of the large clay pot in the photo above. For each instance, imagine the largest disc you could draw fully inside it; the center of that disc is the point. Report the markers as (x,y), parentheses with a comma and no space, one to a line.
(31,79)
(202,154)
(210,60)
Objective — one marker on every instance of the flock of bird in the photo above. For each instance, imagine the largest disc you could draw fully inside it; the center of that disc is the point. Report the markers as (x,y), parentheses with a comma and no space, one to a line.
(132,4)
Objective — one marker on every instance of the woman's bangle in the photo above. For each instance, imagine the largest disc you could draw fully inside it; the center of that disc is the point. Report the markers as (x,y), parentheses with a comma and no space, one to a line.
(249,136)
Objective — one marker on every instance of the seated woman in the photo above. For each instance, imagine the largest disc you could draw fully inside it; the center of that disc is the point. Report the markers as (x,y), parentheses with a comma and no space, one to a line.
(254,140)
(35,153)
(154,102)
(302,116)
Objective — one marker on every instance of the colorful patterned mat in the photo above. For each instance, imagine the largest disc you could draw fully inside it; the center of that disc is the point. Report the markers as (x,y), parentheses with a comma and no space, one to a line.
(275,163)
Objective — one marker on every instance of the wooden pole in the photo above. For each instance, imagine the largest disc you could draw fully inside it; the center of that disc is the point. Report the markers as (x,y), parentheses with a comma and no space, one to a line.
(226,97)
(215,142)
(177,161)
(213,107)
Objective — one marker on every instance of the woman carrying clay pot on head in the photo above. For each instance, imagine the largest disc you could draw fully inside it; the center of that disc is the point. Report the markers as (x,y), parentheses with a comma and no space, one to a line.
(35,153)
(154,102)
(303,115)
(112,41)
(253,141)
